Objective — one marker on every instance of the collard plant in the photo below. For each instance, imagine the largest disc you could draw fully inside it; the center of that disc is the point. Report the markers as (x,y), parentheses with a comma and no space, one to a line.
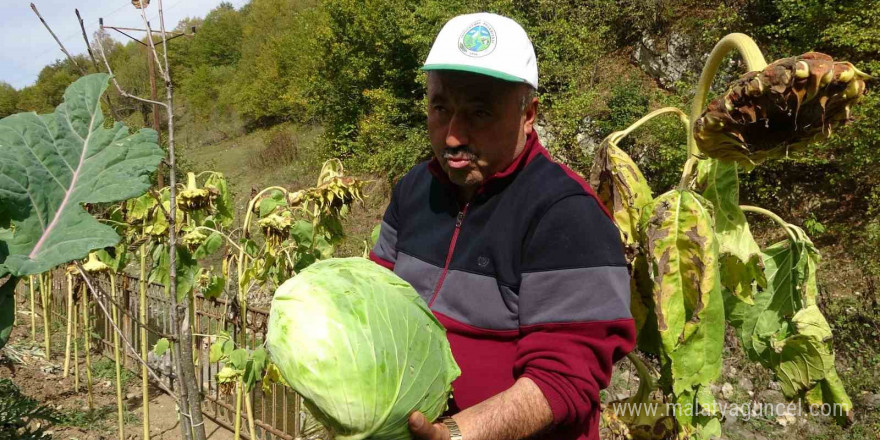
(50,167)
(695,265)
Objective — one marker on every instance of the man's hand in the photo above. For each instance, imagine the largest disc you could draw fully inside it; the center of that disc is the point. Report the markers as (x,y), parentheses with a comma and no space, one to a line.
(518,412)
(421,429)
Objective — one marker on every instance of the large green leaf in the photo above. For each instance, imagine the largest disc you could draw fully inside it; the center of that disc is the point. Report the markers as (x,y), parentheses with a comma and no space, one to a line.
(769,318)
(211,245)
(50,165)
(682,254)
(274,199)
(739,253)
(115,257)
(138,209)
(785,330)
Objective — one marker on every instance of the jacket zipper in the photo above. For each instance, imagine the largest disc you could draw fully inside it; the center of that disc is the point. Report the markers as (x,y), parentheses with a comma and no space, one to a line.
(458,221)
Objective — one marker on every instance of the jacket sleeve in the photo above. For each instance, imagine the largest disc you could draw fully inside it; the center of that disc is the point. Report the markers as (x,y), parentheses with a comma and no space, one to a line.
(384,252)
(575,321)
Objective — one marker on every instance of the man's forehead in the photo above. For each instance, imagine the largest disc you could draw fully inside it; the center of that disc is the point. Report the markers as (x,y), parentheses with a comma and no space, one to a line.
(466,86)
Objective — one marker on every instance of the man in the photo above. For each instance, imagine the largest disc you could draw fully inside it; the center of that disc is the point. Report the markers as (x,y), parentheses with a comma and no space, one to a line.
(512,252)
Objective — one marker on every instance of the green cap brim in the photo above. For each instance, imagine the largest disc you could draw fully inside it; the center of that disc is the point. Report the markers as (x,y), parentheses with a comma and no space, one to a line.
(475,69)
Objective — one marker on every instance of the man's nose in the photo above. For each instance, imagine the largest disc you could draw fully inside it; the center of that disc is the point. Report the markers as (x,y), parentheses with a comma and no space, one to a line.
(456,134)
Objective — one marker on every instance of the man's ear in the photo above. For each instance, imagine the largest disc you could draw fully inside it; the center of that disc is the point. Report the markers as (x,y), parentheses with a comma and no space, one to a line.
(530,115)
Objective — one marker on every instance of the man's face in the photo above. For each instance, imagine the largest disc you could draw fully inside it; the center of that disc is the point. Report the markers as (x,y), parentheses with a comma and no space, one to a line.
(476,124)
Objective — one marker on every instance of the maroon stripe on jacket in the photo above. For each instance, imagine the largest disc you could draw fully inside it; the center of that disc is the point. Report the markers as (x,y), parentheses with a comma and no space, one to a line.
(486,359)
(571,362)
(381,262)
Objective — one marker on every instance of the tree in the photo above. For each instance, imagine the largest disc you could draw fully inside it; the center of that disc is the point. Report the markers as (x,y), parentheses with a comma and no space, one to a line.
(8,99)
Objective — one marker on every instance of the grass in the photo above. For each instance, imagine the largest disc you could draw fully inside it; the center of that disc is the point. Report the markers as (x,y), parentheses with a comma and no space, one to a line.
(263,158)
(105,368)
(86,419)
(235,159)
(19,412)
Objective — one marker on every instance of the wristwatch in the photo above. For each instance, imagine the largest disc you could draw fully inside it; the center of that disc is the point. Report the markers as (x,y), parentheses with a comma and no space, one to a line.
(454,432)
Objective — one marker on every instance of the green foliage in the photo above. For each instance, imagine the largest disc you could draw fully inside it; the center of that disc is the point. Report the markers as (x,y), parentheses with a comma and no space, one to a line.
(785,330)
(161,346)
(218,39)
(8,99)
(89,419)
(105,368)
(278,53)
(79,161)
(22,418)
(249,366)
(48,91)
(7,308)
(682,251)
(739,253)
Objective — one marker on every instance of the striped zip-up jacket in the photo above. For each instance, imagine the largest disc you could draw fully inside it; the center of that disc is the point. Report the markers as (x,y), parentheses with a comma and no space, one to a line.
(529,279)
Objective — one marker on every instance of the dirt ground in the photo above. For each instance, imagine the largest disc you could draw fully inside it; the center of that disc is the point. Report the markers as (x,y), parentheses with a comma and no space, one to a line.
(43,381)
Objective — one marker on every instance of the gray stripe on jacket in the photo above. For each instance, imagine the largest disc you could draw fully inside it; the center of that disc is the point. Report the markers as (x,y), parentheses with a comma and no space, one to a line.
(574,295)
(421,275)
(386,247)
(477,300)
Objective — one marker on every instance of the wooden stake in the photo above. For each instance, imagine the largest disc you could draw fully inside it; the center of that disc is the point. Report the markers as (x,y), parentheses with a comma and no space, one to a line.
(66,367)
(120,408)
(87,335)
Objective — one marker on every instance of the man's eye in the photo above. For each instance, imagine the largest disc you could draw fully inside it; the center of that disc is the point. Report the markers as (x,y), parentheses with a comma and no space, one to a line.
(482,114)
(439,108)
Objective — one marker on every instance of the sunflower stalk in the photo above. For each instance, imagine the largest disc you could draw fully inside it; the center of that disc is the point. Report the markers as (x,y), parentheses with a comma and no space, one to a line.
(754,60)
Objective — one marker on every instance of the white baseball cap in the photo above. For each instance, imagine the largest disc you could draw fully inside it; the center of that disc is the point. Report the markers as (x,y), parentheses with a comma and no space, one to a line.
(489,44)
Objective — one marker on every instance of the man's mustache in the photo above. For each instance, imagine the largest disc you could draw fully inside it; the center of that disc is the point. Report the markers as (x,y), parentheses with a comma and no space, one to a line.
(460,152)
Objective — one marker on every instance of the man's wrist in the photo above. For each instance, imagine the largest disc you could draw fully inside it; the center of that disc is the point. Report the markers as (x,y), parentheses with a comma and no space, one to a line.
(452,427)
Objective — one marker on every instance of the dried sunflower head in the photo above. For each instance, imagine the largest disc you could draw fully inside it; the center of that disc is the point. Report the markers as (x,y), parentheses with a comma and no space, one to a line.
(193,198)
(767,114)
(193,239)
(276,228)
(226,379)
(94,265)
(337,192)
(296,198)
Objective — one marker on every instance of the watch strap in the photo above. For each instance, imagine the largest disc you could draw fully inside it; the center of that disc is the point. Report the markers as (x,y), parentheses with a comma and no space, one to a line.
(454,432)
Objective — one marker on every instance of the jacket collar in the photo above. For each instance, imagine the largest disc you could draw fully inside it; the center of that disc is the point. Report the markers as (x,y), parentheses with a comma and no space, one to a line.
(497,181)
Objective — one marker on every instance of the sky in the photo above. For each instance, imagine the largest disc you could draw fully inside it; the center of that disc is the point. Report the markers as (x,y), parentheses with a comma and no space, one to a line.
(26,46)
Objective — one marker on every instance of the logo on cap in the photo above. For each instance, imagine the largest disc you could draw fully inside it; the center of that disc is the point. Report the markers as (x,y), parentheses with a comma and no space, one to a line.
(478,39)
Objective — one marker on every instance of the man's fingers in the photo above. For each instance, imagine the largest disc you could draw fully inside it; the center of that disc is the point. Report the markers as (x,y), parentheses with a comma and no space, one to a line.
(422,429)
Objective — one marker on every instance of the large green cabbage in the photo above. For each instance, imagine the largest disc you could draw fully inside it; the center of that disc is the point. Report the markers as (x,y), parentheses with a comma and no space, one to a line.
(361,347)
